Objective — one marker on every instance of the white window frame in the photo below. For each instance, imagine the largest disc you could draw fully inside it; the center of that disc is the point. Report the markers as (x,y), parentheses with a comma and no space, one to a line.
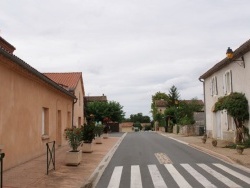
(227,82)
(214,88)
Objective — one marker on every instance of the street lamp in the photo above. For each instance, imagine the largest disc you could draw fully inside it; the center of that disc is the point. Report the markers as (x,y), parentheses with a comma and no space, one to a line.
(230,55)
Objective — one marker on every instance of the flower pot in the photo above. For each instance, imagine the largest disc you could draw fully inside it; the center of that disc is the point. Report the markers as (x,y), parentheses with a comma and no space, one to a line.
(73,158)
(98,140)
(214,143)
(204,140)
(105,135)
(87,148)
(239,149)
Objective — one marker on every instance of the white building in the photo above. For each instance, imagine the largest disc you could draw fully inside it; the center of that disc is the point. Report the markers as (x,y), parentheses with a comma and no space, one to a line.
(227,76)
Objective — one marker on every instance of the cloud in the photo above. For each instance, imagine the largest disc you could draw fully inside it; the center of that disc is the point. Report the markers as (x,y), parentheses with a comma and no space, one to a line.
(127,50)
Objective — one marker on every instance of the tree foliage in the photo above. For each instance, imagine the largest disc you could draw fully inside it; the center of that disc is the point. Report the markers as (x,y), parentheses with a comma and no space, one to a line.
(139,117)
(173,96)
(236,105)
(158,96)
(112,110)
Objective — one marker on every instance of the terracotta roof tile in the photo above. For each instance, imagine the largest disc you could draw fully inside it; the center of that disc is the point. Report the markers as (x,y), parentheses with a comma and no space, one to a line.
(102,98)
(161,103)
(67,79)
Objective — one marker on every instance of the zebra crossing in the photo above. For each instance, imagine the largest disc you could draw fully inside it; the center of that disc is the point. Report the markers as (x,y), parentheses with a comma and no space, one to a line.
(199,172)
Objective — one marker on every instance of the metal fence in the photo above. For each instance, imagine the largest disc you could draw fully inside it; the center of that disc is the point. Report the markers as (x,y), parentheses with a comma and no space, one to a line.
(50,156)
(1,169)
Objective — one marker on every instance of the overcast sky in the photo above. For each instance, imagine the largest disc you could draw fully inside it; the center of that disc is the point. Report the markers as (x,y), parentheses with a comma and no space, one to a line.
(127,49)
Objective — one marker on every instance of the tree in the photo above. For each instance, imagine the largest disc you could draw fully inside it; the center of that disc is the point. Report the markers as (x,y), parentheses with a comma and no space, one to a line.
(158,96)
(140,118)
(236,105)
(173,96)
(112,110)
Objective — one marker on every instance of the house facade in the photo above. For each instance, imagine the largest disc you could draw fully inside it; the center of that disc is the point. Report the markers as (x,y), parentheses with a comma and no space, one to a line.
(34,110)
(73,82)
(227,76)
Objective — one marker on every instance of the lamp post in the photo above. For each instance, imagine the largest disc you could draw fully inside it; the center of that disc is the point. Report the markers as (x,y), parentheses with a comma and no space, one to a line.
(230,55)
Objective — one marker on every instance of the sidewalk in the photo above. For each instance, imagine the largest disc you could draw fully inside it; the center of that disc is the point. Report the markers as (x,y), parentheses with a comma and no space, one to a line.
(33,173)
(227,154)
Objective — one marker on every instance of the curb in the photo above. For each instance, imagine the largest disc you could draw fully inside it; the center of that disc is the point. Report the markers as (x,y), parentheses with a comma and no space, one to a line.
(204,150)
(96,175)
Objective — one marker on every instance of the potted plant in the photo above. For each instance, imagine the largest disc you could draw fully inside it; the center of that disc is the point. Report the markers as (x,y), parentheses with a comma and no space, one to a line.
(204,138)
(98,133)
(214,142)
(240,148)
(88,134)
(74,138)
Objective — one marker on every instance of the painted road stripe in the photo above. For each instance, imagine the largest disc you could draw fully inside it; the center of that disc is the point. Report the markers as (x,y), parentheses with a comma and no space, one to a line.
(177,176)
(234,173)
(219,176)
(199,177)
(116,177)
(178,140)
(156,177)
(135,177)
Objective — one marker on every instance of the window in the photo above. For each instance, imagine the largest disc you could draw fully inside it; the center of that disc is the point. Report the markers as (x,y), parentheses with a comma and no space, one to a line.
(45,121)
(227,86)
(214,90)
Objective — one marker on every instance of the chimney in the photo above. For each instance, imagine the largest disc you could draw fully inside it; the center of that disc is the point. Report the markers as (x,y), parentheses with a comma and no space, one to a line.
(6,46)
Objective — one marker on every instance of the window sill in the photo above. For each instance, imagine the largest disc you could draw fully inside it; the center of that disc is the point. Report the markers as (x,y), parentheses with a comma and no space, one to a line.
(45,137)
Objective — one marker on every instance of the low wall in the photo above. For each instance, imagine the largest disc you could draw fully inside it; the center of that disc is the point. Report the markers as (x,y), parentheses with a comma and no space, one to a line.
(187,130)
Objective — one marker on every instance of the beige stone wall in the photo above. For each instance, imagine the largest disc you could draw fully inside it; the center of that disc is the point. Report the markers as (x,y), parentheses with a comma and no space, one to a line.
(23,96)
(79,105)
(127,129)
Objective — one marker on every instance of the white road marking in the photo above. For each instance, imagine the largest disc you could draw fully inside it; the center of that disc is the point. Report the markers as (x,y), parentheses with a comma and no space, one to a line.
(135,177)
(177,176)
(116,177)
(234,173)
(219,176)
(156,177)
(199,177)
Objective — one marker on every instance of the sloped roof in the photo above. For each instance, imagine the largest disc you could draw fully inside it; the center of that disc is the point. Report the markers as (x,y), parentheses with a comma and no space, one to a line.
(6,45)
(102,98)
(161,103)
(200,102)
(239,52)
(127,124)
(68,80)
(19,63)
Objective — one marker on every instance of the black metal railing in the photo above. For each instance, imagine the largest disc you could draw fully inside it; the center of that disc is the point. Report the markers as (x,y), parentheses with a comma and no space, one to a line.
(50,156)
(1,169)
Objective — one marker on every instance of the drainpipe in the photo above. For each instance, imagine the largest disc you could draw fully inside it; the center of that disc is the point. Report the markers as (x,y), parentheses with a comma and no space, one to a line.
(74,101)
(202,80)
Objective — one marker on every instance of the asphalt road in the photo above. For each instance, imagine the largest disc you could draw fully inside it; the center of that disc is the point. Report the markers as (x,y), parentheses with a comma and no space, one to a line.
(147,159)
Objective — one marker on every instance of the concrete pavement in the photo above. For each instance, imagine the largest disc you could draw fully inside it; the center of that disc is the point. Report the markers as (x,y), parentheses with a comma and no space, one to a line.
(33,173)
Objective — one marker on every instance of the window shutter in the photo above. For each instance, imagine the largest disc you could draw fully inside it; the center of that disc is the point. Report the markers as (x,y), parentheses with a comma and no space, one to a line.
(224,84)
(231,81)
(216,88)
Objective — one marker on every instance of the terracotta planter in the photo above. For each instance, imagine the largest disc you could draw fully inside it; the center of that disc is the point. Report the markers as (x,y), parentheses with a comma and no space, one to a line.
(214,143)
(73,158)
(98,140)
(105,135)
(204,140)
(87,148)
(239,149)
